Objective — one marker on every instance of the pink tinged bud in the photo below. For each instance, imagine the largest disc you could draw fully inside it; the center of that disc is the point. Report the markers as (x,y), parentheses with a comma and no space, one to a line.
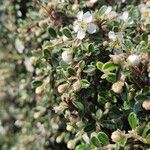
(146,105)
(116,136)
(62,88)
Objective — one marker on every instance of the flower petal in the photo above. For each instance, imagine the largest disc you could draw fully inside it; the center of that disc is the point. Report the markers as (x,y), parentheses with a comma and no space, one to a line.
(125,16)
(81,34)
(80,15)
(91,28)
(75,26)
(87,17)
(108,10)
(112,35)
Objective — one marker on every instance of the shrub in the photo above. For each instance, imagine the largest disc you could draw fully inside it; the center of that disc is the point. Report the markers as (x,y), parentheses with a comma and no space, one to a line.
(80,76)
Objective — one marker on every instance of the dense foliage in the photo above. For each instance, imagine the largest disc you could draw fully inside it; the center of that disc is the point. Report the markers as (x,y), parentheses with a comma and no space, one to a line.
(75,74)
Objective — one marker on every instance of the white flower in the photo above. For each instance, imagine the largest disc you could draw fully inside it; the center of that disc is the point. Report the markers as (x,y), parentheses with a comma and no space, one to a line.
(133,60)
(28,64)
(125,17)
(108,10)
(19,45)
(67,56)
(84,23)
(145,12)
(112,36)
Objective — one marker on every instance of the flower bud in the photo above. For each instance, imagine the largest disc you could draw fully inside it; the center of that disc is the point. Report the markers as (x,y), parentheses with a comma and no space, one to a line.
(62,88)
(69,127)
(76,86)
(133,60)
(105,43)
(75,7)
(117,59)
(146,105)
(107,105)
(43,23)
(67,56)
(71,144)
(39,90)
(118,87)
(116,135)
(59,139)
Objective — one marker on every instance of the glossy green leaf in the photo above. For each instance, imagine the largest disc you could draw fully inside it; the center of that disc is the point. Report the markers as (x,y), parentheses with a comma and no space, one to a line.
(67,33)
(102,10)
(84,83)
(71,71)
(103,138)
(95,141)
(99,65)
(128,44)
(46,53)
(36,83)
(109,66)
(79,105)
(133,121)
(52,32)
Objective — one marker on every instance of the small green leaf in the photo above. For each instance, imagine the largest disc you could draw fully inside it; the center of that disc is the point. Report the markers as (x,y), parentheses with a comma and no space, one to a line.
(63,65)
(128,44)
(102,10)
(109,66)
(148,138)
(80,147)
(103,138)
(52,32)
(95,141)
(84,83)
(91,48)
(99,65)
(67,33)
(111,78)
(71,71)
(36,83)
(145,37)
(46,53)
(122,141)
(146,129)
(79,105)
(132,119)
(89,127)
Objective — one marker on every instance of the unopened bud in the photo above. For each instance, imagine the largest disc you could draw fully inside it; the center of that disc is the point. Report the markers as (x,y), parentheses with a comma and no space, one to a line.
(69,127)
(117,59)
(133,60)
(39,90)
(71,144)
(105,43)
(67,56)
(107,105)
(118,87)
(116,135)
(62,88)
(75,7)
(146,105)
(76,86)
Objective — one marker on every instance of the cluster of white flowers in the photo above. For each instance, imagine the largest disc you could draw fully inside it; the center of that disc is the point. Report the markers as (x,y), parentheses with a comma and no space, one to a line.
(83,24)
